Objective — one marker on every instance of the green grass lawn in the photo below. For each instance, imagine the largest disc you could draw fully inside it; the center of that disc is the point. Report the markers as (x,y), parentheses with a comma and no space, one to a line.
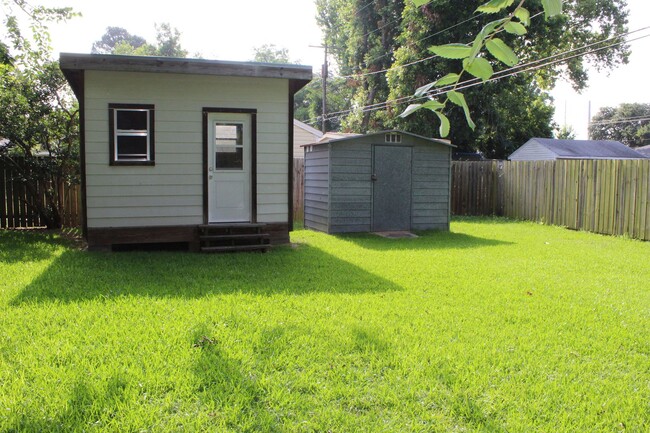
(497,326)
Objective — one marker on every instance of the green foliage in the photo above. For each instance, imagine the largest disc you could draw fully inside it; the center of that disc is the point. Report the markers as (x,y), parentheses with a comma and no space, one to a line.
(27,47)
(496,326)
(118,40)
(269,53)
(501,51)
(565,133)
(627,123)
(393,34)
(477,66)
(39,115)
(308,102)
(362,35)
(114,37)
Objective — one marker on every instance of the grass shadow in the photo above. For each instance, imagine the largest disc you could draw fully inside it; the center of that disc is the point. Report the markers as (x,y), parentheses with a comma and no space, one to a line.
(29,245)
(426,240)
(475,219)
(77,275)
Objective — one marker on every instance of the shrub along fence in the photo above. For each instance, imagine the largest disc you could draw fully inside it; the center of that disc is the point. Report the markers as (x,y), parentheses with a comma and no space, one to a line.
(601,196)
(18,208)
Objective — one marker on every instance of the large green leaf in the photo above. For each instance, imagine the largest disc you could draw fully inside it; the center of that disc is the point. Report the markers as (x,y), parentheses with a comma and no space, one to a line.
(515,28)
(451,51)
(501,51)
(419,3)
(410,109)
(494,6)
(447,79)
(459,99)
(444,124)
(433,105)
(523,15)
(479,67)
(552,7)
(490,27)
(420,91)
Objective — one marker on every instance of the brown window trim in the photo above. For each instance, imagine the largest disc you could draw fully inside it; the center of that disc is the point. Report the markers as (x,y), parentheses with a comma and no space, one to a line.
(152,134)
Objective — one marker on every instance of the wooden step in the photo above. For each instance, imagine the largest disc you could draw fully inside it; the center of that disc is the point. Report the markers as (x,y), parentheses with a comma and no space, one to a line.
(221,226)
(235,248)
(247,236)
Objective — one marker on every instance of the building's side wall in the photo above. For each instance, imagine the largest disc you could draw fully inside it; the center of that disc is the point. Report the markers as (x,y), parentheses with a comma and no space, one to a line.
(171,192)
(532,151)
(351,186)
(431,186)
(300,137)
(317,198)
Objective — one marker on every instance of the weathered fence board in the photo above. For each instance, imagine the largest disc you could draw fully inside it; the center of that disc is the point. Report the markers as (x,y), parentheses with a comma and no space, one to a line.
(298,189)
(18,206)
(602,196)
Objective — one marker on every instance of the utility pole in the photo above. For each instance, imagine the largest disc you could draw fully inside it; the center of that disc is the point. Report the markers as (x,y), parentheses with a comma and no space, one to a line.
(324,74)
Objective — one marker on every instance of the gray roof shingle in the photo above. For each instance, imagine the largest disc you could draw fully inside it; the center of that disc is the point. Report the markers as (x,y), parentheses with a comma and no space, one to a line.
(588,149)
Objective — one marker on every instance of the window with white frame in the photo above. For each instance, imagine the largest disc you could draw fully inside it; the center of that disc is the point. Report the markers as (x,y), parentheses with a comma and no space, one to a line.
(131,130)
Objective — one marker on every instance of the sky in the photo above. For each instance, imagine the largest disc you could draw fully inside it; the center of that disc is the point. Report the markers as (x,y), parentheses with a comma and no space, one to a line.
(229,30)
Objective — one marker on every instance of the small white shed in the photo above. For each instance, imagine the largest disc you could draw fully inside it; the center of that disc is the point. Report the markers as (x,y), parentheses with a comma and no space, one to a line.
(185,150)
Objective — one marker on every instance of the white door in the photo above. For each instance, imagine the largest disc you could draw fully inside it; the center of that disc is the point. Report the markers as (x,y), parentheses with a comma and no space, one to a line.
(229,167)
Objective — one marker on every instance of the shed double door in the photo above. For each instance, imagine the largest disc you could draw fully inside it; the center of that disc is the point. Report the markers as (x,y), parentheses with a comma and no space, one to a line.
(391,188)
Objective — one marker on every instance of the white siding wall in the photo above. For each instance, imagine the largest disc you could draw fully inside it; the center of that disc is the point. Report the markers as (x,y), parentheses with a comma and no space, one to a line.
(300,137)
(171,192)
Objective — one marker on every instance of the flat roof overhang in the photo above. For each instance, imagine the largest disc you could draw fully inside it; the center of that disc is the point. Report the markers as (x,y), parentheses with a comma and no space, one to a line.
(72,66)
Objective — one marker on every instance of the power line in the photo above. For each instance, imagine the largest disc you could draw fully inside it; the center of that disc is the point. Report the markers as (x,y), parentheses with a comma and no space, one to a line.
(358,75)
(501,74)
(476,80)
(621,120)
(415,62)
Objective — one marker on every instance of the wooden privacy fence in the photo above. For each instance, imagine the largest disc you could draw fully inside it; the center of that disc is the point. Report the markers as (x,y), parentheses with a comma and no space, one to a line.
(17,206)
(601,196)
(298,189)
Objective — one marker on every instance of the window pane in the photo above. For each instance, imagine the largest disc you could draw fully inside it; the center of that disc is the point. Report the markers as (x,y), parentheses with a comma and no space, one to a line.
(229,157)
(227,134)
(130,147)
(132,120)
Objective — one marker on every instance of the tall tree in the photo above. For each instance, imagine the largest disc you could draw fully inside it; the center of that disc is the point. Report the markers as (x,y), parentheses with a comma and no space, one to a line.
(115,36)
(269,53)
(627,123)
(117,40)
(442,21)
(309,102)
(39,115)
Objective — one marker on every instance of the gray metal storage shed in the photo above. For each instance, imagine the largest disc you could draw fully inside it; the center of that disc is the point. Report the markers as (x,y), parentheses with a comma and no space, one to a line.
(384,181)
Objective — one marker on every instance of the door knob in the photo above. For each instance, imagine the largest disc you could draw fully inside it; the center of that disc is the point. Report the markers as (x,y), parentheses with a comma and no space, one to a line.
(373,177)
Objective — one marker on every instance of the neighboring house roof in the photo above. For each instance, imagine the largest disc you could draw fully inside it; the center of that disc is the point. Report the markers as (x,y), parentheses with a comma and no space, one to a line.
(72,64)
(644,150)
(307,128)
(331,137)
(550,148)
(334,136)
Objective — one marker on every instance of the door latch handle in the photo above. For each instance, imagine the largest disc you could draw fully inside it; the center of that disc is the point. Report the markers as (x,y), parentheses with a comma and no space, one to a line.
(373,177)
